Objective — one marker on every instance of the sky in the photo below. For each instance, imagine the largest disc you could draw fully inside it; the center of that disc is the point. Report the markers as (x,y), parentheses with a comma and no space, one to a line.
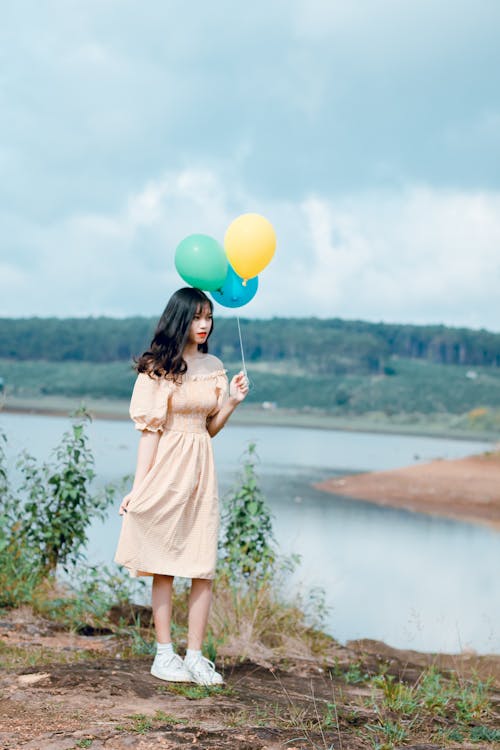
(366,131)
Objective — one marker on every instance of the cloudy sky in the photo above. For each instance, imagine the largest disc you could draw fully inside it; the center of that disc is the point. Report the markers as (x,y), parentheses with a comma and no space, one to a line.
(367,131)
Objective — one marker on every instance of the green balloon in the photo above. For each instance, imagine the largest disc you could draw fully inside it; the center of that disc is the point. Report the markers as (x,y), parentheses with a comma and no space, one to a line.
(201,262)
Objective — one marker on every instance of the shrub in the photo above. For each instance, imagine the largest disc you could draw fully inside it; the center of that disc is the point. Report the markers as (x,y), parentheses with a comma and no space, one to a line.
(247,547)
(59,501)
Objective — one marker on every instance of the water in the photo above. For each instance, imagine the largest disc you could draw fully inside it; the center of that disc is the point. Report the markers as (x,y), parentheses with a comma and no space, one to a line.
(411,580)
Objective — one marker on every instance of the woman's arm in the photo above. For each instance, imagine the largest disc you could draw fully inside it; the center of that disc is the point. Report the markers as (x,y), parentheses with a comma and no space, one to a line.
(238,389)
(146,454)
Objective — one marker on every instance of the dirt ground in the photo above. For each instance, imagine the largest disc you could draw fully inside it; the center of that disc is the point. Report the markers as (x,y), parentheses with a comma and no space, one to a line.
(60,691)
(466,489)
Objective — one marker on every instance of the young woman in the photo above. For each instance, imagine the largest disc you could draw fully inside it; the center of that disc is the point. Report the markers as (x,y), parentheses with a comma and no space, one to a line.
(181,399)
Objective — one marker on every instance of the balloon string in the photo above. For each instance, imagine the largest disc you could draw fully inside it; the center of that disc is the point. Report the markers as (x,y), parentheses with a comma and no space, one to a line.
(241,347)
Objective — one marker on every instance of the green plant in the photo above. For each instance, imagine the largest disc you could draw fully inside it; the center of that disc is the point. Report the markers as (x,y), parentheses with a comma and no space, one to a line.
(397,696)
(454,734)
(19,572)
(84,742)
(85,601)
(161,716)
(472,700)
(247,546)
(389,731)
(60,502)
(141,646)
(355,674)
(194,692)
(487,734)
(210,646)
(140,723)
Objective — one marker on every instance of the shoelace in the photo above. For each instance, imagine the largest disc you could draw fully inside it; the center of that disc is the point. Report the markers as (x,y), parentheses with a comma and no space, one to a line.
(168,659)
(202,662)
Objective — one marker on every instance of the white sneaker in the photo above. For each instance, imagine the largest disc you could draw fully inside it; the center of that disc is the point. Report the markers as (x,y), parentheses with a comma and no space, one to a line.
(202,670)
(170,667)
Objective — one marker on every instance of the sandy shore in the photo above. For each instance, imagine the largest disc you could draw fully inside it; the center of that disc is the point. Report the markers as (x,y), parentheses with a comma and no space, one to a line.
(467,489)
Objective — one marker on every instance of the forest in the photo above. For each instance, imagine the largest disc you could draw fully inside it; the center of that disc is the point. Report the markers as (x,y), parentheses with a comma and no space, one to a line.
(325,347)
(337,366)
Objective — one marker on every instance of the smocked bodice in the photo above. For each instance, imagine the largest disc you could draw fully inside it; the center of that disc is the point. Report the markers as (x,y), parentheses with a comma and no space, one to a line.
(162,405)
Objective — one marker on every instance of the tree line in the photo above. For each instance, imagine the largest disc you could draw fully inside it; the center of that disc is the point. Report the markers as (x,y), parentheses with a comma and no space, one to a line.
(325,347)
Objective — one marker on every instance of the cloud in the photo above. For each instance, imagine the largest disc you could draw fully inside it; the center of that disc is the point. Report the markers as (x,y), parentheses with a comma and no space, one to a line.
(98,97)
(367,132)
(421,255)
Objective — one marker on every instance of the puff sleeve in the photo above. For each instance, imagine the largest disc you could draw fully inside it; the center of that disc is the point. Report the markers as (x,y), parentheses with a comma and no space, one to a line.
(149,402)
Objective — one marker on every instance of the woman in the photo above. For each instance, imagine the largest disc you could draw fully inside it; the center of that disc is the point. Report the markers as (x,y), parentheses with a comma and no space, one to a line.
(181,399)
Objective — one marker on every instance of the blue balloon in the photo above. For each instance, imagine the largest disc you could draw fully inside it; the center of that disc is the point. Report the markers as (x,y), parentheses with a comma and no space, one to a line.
(232,293)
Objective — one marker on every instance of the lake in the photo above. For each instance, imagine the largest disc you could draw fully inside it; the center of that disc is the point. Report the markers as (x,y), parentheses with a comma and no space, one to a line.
(410,580)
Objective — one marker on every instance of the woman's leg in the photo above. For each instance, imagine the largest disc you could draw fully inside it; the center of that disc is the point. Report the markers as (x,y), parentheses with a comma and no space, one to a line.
(199,608)
(201,670)
(167,665)
(162,607)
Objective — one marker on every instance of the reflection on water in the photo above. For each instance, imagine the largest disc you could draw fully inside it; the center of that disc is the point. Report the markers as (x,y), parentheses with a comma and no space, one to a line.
(411,580)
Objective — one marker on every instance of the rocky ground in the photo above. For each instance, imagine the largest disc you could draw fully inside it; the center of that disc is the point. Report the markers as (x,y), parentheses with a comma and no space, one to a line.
(62,691)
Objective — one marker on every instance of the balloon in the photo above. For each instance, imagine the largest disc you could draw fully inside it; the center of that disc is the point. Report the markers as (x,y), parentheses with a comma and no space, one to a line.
(250,243)
(201,261)
(233,293)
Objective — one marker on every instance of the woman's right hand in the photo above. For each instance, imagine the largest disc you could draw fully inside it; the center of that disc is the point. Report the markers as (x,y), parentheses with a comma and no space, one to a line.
(124,504)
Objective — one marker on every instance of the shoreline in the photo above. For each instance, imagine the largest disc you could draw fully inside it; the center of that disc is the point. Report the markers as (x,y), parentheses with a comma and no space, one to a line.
(464,489)
(62,406)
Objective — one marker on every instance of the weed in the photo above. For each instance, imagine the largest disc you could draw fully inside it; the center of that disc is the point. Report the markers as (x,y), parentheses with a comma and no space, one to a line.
(168,718)
(454,734)
(397,696)
(433,694)
(472,701)
(247,546)
(488,734)
(210,646)
(194,692)
(141,646)
(355,675)
(330,718)
(84,743)
(59,504)
(17,657)
(140,723)
(389,731)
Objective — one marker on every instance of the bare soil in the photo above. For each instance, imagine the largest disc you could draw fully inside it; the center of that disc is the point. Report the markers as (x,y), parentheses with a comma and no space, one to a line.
(60,691)
(466,489)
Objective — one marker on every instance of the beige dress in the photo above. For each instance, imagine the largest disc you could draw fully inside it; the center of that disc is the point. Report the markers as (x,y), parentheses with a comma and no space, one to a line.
(172,520)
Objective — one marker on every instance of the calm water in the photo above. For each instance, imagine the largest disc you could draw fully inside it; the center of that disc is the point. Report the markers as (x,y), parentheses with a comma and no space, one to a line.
(410,580)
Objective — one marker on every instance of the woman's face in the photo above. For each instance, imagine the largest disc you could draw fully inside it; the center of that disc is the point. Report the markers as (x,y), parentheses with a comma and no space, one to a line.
(201,325)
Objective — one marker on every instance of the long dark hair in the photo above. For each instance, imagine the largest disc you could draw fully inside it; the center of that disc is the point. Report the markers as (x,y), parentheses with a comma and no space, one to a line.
(164,356)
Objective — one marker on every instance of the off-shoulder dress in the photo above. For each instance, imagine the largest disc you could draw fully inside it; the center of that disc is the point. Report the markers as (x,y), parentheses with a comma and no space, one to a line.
(172,520)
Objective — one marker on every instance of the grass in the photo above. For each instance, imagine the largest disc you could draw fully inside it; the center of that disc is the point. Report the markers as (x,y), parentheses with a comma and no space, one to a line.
(437,707)
(142,723)
(353,675)
(454,700)
(419,397)
(250,618)
(194,692)
(164,718)
(21,657)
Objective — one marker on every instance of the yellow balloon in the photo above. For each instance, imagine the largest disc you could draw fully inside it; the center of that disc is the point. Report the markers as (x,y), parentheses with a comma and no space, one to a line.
(250,243)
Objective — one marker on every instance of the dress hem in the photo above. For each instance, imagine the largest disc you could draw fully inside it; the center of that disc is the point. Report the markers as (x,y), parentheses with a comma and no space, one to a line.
(137,572)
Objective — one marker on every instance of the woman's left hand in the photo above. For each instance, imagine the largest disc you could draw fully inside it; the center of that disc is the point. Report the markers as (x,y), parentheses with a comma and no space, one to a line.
(238,387)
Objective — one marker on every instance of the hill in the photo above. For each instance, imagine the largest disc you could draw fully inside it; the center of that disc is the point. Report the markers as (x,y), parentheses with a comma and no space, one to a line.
(345,368)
